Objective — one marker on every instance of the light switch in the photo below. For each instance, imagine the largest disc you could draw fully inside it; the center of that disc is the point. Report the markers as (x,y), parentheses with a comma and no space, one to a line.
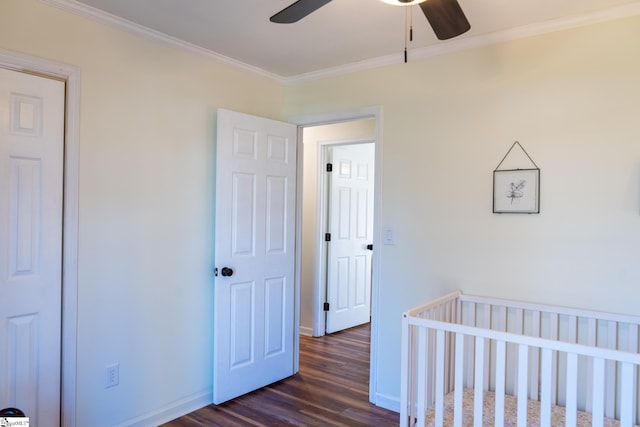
(388,237)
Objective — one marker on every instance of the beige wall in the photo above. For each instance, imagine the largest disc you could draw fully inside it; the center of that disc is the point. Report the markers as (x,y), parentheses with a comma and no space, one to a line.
(146,177)
(571,98)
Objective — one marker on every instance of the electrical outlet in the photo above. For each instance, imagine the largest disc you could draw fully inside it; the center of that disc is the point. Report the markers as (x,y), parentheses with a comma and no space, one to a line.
(112,375)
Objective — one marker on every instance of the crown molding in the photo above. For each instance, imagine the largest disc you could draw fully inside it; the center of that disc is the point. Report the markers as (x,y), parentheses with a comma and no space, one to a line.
(450,46)
(459,44)
(111,20)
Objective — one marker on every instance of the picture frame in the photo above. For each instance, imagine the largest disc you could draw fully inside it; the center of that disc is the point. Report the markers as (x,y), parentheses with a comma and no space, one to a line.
(516,191)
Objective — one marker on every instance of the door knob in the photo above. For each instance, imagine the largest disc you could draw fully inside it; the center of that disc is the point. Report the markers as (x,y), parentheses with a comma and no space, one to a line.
(226,272)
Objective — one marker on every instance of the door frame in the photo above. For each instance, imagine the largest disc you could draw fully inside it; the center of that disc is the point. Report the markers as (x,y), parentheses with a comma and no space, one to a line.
(320,285)
(71,76)
(332,118)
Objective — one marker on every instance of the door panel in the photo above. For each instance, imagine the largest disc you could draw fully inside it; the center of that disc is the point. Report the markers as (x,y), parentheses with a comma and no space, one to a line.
(276,214)
(254,235)
(350,222)
(276,297)
(31,167)
(243,215)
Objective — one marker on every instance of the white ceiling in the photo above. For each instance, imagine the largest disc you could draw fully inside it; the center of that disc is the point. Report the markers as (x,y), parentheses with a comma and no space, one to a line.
(343,34)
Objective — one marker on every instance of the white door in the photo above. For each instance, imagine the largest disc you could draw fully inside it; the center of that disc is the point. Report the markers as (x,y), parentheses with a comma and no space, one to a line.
(350,225)
(31,166)
(255,254)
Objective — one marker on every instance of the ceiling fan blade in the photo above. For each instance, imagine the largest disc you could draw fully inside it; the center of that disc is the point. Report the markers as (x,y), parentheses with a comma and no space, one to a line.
(297,11)
(446,18)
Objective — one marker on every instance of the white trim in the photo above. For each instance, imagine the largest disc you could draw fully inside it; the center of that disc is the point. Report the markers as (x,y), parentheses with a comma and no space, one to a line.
(71,75)
(363,113)
(306,332)
(319,285)
(114,21)
(440,48)
(465,43)
(298,262)
(172,411)
(389,402)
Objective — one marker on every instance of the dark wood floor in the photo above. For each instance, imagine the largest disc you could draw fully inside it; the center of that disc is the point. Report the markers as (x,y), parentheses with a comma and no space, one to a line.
(331,389)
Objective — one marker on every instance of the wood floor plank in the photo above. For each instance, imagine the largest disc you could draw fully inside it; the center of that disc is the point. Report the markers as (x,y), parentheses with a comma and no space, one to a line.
(331,389)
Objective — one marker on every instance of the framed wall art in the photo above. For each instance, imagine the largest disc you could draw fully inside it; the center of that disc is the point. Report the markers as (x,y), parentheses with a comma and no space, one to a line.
(516,190)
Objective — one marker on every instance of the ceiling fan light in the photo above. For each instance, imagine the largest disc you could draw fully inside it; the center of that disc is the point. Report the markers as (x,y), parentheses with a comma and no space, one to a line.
(403,2)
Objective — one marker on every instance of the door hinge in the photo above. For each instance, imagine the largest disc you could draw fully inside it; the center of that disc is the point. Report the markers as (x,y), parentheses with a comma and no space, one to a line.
(329,167)
(326,306)
(327,237)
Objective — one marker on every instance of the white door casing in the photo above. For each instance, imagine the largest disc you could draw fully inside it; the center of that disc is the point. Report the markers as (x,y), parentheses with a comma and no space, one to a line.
(255,239)
(31,183)
(350,224)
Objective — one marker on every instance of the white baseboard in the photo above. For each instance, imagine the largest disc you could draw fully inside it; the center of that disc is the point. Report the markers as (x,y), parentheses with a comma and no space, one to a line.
(386,401)
(306,331)
(171,411)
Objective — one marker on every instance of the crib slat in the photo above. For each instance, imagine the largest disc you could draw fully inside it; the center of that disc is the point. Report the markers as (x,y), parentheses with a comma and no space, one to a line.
(501,357)
(572,375)
(592,337)
(406,374)
(486,323)
(478,380)
(572,385)
(439,420)
(610,386)
(598,393)
(450,349)
(523,364)
(553,334)
(534,357)
(517,328)
(545,387)
(470,344)
(423,359)
(572,334)
(626,394)
(458,388)
(632,346)
(430,363)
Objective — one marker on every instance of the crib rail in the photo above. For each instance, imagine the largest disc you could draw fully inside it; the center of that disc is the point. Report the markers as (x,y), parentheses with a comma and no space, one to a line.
(578,359)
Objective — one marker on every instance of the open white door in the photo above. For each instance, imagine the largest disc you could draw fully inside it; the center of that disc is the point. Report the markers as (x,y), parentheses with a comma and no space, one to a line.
(350,225)
(255,254)
(31,170)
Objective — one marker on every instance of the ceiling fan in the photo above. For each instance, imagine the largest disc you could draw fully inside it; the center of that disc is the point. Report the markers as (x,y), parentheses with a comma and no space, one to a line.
(445,16)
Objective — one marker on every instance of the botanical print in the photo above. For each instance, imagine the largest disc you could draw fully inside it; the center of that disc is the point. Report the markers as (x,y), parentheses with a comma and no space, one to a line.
(516,191)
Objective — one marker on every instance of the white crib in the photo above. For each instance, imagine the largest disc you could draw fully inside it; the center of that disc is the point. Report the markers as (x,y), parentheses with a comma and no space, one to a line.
(464,351)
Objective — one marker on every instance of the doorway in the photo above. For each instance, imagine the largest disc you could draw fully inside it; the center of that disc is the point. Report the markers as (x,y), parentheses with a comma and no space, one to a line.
(243,143)
(310,258)
(319,142)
